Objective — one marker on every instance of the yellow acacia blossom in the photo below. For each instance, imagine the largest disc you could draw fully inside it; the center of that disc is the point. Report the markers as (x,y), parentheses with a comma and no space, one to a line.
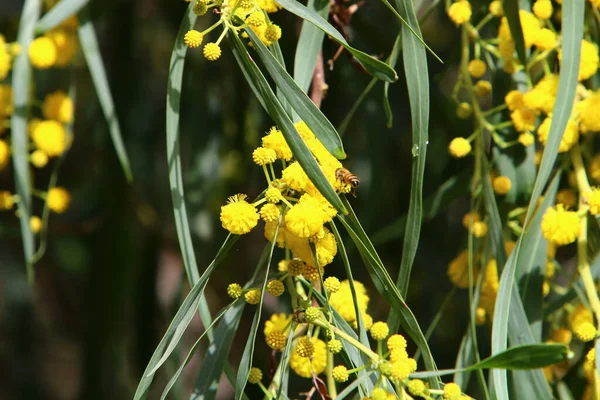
(304,366)
(50,137)
(501,185)
(569,138)
(458,270)
(65,42)
(42,52)
(560,226)
(460,12)
(588,111)
(344,304)
(4,154)
(274,140)
(5,59)
(58,106)
(459,147)
(238,216)
(58,199)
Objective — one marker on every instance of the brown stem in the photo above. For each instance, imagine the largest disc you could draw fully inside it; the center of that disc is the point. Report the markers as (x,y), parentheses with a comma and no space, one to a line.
(319,87)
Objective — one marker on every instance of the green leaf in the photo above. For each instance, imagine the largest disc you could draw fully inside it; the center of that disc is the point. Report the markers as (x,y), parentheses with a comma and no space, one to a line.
(417,81)
(525,357)
(182,319)
(212,365)
(466,356)
(386,287)
(248,354)
(309,45)
(531,267)
(215,360)
(572,31)
(373,66)
(392,59)
(511,11)
(231,324)
(93,58)
(59,13)
(21,78)
(301,103)
(267,98)
(455,187)
(407,8)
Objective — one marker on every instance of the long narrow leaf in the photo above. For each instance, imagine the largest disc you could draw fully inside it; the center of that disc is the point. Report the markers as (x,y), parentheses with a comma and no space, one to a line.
(93,58)
(511,11)
(57,14)
(301,103)
(309,45)
(188,357)
(410,27)
(19,138)
(181,320)
(572,31)
(263,91)
(375,67)
(417,81)
(386,287)
(212,365)
(516,358)
(393,58)
(215,360)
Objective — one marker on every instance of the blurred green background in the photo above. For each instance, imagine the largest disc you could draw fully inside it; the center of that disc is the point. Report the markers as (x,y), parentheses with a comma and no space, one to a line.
(112,276)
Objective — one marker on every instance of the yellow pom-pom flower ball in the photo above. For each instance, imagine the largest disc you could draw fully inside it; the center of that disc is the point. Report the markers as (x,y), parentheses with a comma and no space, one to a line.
(42,53)
(238,216)
(58,199)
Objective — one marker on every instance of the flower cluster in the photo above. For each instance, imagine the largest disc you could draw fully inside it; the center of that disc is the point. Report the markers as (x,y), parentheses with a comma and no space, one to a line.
(235,16)
(519,127)
(50,117)
(297,218)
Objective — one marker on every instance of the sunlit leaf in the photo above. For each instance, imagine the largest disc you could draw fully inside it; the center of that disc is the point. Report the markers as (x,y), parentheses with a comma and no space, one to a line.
(301,103)
(267,98)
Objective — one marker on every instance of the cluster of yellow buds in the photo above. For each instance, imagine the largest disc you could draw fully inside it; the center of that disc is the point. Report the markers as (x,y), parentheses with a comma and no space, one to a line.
(234,15)
(294,212)
(50,118)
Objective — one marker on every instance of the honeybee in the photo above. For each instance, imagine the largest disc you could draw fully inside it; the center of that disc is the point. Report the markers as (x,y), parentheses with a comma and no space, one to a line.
(348,178)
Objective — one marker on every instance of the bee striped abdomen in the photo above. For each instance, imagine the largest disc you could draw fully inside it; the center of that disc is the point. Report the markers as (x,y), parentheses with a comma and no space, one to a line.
(347,177)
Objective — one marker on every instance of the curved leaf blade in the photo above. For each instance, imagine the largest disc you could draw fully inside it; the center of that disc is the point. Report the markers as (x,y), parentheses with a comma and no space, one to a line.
(375,67)
(267,98)
(182,319)
(58,14)
(188,357)
(309,45)
(386,287)
(511,11)
(531,356)
(417,81)
(93,58)
(19,139)
(300,102)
